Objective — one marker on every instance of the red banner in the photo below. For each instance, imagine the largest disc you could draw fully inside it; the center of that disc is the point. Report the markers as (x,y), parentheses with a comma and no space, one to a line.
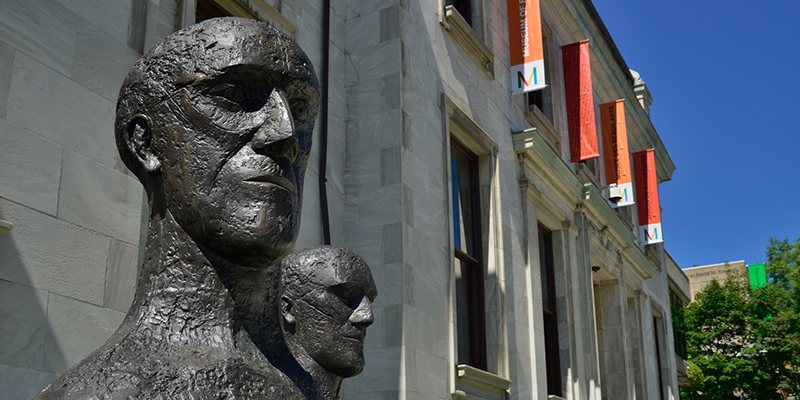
(580,103)
(644,165)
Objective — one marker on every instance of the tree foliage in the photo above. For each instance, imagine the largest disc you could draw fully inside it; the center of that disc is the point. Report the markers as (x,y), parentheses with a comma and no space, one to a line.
(745,342)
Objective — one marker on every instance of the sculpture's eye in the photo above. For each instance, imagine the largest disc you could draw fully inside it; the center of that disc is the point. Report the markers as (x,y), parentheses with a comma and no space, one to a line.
(351,294)
(300,110)
(231,91)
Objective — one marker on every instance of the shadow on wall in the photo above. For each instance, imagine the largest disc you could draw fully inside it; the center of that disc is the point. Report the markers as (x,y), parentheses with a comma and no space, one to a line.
(23,316)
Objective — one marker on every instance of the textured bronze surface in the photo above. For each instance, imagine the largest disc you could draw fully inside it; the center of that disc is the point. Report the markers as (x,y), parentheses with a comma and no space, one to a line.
(326,307)
(216,123)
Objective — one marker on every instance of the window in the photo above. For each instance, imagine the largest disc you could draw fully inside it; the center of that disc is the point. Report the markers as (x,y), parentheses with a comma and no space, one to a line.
(547,269)
(543,99)
(470,315)
(464,7)
(657,334)
(678,325)
(207,9)
(464,20)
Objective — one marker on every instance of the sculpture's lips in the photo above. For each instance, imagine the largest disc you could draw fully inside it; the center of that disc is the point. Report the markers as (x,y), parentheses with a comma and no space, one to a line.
(360,337)
(275,180)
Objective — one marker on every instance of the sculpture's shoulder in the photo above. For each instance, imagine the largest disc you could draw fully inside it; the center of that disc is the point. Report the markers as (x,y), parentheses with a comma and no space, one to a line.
(117,371)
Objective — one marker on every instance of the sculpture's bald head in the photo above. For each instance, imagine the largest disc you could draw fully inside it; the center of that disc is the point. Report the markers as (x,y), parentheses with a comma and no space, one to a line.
(216,122)
(326,305)
(202,52)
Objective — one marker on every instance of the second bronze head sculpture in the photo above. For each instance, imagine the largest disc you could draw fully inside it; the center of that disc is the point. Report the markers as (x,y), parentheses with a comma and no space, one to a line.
(216,123)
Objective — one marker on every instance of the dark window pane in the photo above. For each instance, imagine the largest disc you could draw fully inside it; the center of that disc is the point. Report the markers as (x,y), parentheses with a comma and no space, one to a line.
(544,271)
(464,8)
(462,314)
(469,297)
(207,9)
(549,314)
(456,205)
(463,197)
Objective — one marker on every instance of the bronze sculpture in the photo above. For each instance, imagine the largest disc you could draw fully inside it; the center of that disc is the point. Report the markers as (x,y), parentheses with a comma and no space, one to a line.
(216,123)
(326,307)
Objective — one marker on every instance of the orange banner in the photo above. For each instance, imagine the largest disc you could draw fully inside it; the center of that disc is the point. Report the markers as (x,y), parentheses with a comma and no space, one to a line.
(525,45)
(580,102)
(647,194)
(615,149)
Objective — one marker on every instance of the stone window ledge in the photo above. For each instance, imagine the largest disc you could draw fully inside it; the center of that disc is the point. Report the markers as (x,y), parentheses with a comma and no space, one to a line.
(475,384)
(554,397)
(466,37)
(545,127)
(5,226)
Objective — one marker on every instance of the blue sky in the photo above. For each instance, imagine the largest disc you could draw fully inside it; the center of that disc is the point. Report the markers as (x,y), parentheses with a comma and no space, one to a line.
(725,85)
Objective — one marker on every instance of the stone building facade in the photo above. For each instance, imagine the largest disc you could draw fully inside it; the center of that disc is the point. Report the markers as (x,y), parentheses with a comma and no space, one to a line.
(702,275)
(481,235)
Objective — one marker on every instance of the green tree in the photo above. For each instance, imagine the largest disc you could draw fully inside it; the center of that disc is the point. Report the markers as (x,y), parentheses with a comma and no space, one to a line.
(783,269)
(745,343)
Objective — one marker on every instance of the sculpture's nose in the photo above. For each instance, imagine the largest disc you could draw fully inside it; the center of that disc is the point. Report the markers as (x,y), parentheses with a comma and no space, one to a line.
(276,137)
(362,317)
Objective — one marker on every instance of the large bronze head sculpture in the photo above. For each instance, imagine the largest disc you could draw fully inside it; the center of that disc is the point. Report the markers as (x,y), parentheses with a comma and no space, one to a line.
(216,122)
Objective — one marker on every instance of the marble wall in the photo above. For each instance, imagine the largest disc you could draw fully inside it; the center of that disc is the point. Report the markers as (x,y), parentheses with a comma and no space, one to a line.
(69,266)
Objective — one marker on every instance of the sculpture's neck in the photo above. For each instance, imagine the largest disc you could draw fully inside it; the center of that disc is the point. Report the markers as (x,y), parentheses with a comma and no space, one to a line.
(328,384)
(180,297)
(189,296)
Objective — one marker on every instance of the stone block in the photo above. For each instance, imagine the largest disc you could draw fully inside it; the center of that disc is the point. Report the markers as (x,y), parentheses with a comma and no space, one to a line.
(426,253)
(367,243)
(379,130)
(34,184)
(389,281)
(352,9)
(368,6)
(22,383)
(99,198)
(65,112)
(22,325)
(360,172)
(363,31)
(376,61)
(431,373)
(415,172)
(390,23)
(392,243)
(75,330)
(105,77)
(392,324)
(6,65)
(122,274)
(381,207)
(425,332)
(389,92)
(52,255)
(42,29)
(374,336)
(111,16)
(382,369)
(430,293)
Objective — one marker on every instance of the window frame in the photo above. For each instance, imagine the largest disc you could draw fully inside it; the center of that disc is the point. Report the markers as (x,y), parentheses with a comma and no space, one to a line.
(475,42)
(476,308)
(550,314)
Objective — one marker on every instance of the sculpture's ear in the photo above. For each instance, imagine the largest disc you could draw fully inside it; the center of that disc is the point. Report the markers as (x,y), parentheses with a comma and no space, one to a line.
(139,141)
(286,310)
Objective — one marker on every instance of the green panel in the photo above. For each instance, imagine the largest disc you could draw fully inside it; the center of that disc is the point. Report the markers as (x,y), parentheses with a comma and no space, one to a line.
(758,275)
